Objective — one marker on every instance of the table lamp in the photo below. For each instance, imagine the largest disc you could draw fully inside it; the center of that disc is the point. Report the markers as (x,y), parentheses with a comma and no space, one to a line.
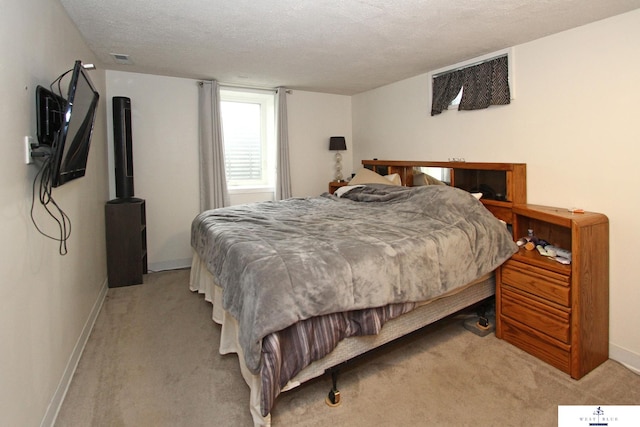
(337,144)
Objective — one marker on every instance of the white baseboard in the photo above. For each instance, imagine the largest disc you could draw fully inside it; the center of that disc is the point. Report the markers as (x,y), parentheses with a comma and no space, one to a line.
(58,397)
(626,357)
(170,265)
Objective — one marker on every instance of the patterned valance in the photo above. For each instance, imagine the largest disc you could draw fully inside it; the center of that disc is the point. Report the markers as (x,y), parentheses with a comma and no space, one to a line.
(482,85)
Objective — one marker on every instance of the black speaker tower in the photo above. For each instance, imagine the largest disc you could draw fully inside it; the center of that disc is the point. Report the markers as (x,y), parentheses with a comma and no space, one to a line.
(123,146)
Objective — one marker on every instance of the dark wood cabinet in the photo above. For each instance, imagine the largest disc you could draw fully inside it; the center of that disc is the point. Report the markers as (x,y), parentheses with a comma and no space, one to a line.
(126,241)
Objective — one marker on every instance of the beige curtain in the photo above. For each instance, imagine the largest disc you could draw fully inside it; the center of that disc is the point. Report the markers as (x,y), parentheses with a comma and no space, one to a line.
(213,180)
(283,178)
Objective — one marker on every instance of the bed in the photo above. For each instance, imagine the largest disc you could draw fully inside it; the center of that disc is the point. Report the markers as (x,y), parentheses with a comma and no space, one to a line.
(305,284)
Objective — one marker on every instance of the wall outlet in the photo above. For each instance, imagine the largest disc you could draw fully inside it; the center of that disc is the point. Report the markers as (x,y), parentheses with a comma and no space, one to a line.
(28,140)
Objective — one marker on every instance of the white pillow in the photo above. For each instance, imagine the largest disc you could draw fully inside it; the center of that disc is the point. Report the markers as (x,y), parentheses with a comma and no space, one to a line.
(420,179)
(366,176)
(394,178)
(341,190)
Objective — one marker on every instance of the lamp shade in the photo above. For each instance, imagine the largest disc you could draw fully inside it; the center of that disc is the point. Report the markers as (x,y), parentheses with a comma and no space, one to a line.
(337,143)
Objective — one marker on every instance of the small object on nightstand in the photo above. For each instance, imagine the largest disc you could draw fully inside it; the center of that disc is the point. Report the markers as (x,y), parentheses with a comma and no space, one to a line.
(543,251)
(558,252)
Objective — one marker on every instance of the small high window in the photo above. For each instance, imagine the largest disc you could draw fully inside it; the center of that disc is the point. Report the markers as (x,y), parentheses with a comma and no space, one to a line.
(472,87)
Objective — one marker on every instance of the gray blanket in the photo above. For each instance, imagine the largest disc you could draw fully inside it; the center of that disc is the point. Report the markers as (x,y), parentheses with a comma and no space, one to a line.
(280,262)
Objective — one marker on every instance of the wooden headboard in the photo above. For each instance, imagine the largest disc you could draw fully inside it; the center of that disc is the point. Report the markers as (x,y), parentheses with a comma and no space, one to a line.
(502,184)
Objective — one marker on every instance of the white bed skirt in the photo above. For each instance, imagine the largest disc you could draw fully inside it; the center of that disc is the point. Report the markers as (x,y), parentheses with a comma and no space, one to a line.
(202,282)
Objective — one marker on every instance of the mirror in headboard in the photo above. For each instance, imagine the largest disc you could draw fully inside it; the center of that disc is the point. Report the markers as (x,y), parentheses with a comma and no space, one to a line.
(502,184)
(491,183)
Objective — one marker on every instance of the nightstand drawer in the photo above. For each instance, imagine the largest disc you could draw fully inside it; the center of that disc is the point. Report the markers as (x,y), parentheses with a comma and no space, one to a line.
(548,320)
(547,284)
(535,343)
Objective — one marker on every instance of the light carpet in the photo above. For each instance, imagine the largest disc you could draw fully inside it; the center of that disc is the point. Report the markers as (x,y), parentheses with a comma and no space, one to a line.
(152,360)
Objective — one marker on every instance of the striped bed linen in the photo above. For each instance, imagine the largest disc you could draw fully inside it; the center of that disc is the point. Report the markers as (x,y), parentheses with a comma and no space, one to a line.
(287,352)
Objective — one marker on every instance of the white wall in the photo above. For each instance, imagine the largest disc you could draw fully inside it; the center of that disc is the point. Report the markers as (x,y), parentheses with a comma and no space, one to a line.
(45,299)
(164,125)
(573,121)
(165,153)
(313,118)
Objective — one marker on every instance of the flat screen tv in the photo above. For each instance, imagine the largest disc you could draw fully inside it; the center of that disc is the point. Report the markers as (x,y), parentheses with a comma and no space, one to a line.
(70,149)
(64,128)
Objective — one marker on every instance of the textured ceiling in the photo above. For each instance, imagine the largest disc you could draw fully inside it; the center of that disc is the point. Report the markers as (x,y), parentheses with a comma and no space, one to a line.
(333,46)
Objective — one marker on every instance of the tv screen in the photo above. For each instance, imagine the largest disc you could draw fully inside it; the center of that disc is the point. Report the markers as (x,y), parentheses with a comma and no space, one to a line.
(71,149)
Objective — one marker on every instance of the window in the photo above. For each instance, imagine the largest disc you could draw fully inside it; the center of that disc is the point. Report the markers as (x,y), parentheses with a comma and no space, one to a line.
(456,100)
(248,126)
(474,84)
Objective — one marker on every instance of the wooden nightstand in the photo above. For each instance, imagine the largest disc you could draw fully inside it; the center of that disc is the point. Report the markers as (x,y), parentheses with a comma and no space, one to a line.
(558,313)
(334,185)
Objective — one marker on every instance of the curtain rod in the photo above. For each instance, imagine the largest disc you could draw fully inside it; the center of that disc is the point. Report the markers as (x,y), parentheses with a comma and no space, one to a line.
(473,64)
(237,86)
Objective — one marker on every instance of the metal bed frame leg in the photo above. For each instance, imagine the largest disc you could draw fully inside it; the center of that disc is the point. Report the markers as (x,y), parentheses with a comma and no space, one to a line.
(333,399)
